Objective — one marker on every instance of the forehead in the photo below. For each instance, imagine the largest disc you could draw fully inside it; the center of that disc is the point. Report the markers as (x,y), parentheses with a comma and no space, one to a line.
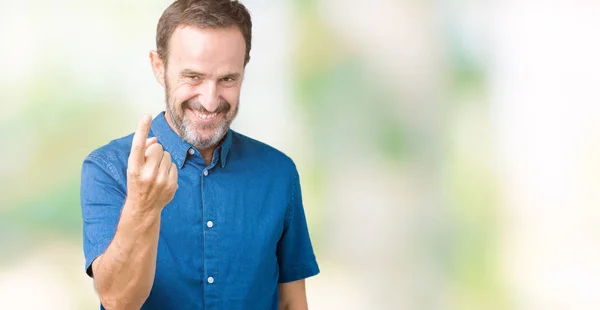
(207,48)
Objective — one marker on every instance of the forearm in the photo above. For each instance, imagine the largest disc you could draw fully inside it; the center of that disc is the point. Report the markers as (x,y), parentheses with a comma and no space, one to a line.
(124,274)
(297,306)
(292,296)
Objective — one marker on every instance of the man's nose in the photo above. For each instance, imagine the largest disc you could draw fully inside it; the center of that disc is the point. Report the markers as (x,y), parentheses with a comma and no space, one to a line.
(209,96)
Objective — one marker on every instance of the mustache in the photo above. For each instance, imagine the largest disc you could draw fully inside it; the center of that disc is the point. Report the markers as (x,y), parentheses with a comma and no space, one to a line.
(195,104)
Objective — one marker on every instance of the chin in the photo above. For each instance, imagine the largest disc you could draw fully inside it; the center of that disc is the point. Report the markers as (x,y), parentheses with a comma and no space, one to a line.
(204,139)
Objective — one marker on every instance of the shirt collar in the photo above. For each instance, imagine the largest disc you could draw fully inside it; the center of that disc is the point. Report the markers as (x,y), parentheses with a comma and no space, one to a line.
(169,139)
(225,147)
(177,147)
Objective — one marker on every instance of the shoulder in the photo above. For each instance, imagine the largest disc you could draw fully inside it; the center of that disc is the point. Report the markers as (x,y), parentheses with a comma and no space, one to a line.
(111,157)
(114,150)
(257,151)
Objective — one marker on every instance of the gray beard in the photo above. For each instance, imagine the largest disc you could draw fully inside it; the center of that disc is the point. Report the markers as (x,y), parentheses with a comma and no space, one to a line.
(188,130)
(188,134)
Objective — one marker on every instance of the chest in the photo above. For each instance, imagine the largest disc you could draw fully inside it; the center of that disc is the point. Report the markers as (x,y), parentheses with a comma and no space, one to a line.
(225,217)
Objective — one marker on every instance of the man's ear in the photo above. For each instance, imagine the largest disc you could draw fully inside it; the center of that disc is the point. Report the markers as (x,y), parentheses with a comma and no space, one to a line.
(158,67)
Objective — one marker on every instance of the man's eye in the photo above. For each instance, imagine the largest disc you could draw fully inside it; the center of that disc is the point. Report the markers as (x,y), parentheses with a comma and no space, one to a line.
(191,78)
(228,79)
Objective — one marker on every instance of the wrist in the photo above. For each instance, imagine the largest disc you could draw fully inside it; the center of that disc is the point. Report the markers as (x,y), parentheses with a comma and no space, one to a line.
(138,210)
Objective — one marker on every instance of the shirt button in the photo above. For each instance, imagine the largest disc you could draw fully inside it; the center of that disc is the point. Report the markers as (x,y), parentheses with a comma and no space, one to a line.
(206,172)
(210,280)
(209,224)
(191,151)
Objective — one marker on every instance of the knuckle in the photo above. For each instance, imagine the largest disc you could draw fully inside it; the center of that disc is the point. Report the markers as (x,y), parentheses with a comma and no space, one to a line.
(160,180)
(133,172)
(148,174)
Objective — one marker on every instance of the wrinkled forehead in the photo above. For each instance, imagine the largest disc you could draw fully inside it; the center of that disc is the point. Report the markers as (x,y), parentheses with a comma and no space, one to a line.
(205,48)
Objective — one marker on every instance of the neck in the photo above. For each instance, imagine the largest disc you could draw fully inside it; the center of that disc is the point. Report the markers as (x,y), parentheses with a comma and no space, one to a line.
(207,154)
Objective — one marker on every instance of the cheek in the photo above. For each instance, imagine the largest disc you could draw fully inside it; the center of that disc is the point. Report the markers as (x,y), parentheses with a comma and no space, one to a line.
(231,95)
(179,95)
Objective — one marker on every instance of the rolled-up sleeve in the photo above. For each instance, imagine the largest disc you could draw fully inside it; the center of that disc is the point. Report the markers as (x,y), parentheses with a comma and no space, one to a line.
(101,201)
(295,253)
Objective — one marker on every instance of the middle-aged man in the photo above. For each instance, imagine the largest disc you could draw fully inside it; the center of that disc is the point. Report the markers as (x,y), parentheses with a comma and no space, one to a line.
(186,213)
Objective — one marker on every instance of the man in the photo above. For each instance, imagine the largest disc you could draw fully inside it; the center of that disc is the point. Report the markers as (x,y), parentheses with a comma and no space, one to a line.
(186,213)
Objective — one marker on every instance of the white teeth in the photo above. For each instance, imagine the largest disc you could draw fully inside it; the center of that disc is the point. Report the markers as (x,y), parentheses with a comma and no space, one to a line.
(205,116)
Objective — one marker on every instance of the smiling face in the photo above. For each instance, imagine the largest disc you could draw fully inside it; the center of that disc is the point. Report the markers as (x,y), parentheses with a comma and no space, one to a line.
(202,82)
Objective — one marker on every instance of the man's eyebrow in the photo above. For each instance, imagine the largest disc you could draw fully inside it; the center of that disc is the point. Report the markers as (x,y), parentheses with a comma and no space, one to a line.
(190,72)
(233,75)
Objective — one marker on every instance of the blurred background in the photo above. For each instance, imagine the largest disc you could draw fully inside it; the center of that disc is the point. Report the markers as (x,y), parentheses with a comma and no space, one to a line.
(448,150)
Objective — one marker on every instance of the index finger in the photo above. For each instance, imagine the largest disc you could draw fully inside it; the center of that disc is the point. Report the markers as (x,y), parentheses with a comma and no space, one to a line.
(138,145)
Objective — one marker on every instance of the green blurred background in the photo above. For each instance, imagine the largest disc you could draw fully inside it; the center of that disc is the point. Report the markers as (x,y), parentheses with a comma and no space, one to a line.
(448,150)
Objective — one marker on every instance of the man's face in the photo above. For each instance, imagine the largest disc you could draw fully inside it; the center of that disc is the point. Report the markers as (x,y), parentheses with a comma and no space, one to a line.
(203,81)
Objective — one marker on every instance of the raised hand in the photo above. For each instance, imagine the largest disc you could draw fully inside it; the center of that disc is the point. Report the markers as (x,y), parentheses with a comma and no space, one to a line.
(151,175)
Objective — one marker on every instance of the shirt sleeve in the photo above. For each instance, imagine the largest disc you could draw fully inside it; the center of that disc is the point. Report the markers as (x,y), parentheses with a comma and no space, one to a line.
(295,253)
(101,201)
